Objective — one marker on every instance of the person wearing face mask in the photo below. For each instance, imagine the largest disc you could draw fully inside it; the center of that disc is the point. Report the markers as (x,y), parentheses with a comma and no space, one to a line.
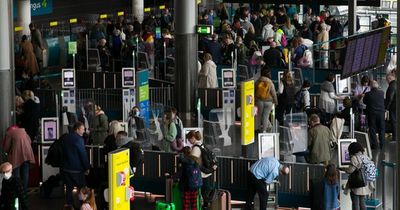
(12,189)
(134,113)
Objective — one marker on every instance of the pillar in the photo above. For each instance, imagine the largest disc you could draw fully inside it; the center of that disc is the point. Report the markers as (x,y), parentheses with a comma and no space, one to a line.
(397,199)
(6,65)
(186,59)
(24,15)
(352,17)
(138,9)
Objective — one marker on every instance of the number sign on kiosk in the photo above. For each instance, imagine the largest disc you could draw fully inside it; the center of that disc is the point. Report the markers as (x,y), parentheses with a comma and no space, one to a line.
(128,77)
(119,192)
(68,78)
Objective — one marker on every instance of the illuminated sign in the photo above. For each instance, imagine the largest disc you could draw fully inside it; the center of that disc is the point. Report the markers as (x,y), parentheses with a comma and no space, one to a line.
(73,20)
(18,28)
(54,23)
(162,6)
(103,16)
(204,29)
(120,13)
(147,9)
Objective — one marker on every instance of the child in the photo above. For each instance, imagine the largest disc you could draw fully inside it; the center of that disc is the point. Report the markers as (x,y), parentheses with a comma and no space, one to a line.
(88,200)
(11,189)
(191,180)
(331,188)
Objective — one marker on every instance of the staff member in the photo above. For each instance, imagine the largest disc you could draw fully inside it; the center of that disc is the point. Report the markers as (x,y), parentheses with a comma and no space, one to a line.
(263,172)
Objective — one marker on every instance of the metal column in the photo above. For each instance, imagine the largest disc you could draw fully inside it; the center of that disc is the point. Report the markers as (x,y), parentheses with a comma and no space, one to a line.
(24,15)
(352,17)
(6,65)
(138,9)
(186,59)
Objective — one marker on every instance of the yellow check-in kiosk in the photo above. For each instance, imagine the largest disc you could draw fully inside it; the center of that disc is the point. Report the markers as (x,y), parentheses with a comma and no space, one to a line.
(119,192)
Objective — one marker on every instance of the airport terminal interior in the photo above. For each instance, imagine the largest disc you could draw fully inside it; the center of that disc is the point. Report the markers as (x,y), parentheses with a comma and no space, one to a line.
(198,104)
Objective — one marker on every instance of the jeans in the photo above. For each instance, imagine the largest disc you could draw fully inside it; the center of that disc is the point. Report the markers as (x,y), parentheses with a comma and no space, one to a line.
(22,172)
(264,110)
(376,124)
(72,180)
(256,186)
(206,189)
(393,121)
(357,201)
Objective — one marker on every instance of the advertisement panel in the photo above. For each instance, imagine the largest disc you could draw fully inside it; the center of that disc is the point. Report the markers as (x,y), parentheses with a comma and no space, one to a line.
(118,179)
(143,94)
(247,112)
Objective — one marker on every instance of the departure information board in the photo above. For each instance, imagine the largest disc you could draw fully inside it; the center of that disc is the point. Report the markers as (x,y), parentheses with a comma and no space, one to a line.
(365,51)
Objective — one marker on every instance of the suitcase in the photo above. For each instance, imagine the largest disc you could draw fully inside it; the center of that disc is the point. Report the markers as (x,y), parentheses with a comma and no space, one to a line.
(164,206)
(174,195)
(223,201)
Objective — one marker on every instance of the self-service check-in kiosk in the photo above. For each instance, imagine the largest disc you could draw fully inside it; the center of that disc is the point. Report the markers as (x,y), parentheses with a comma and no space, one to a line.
(68,92)
(128,91)
(228,104)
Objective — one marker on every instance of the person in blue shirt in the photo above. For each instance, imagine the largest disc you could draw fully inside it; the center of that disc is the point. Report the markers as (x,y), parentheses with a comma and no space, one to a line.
(331,188)
(76,163)
(261,173)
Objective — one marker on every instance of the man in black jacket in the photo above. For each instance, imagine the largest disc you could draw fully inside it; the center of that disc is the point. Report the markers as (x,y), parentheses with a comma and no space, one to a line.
(272,56)
(390,103)
(374,100)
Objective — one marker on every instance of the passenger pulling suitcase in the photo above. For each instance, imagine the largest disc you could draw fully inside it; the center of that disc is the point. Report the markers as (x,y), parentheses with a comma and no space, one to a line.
(223,201)
(164,206)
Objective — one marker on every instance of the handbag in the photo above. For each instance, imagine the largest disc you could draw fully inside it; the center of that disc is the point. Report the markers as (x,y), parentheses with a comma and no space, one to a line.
(177,145)
(356,179)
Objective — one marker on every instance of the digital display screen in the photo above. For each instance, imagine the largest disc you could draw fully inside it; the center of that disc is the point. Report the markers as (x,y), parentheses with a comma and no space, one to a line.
(50,130)
(228,78)
(128,77)
(68,78)
(365,51)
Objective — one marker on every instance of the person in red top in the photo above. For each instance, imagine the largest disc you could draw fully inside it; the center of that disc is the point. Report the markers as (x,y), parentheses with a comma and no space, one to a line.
(17,145)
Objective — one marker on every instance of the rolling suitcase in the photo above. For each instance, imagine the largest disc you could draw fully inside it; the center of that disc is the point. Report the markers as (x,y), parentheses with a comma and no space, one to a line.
(223,201)
(164,206)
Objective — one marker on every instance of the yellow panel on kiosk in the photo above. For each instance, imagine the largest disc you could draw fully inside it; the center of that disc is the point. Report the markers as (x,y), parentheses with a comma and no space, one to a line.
(118,179)
(247,114)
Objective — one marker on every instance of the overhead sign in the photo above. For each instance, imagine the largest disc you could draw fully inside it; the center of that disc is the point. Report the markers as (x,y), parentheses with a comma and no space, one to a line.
(103,16)
(247,112)
(72,48)
(18,28)
(162,7)
(73,20)
(118,179)
(147,9)
(53,23)
(120,13)
(38,7)
(375,3)
(204,29)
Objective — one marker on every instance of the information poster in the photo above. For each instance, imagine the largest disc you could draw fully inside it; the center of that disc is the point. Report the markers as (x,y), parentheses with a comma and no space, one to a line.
(143,94)
(247,112)
(118,179)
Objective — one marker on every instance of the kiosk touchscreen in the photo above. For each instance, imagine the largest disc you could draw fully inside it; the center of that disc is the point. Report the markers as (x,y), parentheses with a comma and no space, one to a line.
(228,78)
(68,78)
(343,86)
(128,77)
(49,130)
(343,152)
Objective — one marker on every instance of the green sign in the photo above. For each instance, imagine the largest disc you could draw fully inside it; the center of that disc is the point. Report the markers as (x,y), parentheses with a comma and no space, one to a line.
(204,29)
(72,49)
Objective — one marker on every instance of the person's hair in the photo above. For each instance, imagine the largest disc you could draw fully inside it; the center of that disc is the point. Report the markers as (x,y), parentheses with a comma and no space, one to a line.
(28,94)
(207,57)
(314,118)
(265,72)
(114,128)
(174,110)
(330,77)
(77,125)
(251,30)
(355,148)
(285,170)
(306,84)
(287,22)
(194,134)
(374,84)
(287,78)
(90,199)
(32,25)
(122,133)
(331,174)
(364,79)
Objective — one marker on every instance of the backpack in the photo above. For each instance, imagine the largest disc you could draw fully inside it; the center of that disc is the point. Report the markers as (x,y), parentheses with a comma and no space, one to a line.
(306,60)
(298,99)
(208,158)
(263,90)
(193,175)
(55,155)
(284,41)
(368,169)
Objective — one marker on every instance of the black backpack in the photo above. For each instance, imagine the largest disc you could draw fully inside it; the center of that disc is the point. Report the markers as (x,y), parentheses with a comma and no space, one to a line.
(298,100)
(208,158)
(55,155)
